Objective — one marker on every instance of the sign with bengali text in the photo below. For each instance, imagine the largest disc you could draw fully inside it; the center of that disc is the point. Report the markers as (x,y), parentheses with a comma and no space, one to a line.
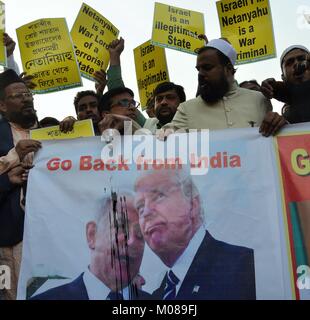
(83,128)
(47,53)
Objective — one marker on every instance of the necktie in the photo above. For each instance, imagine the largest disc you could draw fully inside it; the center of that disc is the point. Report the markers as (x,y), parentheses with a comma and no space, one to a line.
(113,295)
(170,288)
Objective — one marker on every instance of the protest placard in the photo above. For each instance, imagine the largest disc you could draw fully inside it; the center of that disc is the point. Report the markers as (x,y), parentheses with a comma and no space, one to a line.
(47,53)
(151,69)
(247,24)
(83,128)
(177,28)
(91,34)
(3,61)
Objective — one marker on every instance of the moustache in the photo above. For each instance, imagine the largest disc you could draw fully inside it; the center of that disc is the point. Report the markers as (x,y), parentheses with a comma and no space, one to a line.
(28,106)
(301,68)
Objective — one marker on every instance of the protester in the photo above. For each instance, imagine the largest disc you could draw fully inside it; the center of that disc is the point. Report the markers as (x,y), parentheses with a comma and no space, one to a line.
(118,105)
(16,152)
(221,102)
(150,107)
(295,88)
(251,85)
(167,96)
(48,122)
(16,155)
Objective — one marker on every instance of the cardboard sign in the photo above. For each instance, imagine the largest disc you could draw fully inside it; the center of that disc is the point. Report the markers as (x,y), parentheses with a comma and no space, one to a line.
(82,128)
(151,69)
(3,61)
(177,28)
(47,53)
(247,24)
(91,34)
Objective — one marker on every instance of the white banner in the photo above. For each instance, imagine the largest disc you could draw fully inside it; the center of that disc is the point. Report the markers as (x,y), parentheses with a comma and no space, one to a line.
(242,255)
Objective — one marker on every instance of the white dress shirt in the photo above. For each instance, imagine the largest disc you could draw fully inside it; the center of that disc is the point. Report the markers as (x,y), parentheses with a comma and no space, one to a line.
(96,289)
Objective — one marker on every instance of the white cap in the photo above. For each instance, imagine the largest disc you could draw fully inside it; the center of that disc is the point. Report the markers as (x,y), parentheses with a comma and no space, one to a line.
(289,49)
(226,48)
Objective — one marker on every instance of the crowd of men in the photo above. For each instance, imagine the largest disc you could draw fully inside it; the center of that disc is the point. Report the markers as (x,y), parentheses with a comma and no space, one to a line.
(221,103)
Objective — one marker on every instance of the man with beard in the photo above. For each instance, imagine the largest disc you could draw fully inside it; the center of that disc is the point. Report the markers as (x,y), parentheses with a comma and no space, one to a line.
(295,88)
(16,153)
(116,249)
(221,102)
(167,96)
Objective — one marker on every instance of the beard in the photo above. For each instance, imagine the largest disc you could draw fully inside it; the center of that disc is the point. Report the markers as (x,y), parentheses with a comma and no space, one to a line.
(212,92)
(299,101)
(26,118)
(166,117)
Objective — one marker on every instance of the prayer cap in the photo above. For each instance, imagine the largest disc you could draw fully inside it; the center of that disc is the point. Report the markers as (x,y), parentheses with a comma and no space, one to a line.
(226,48)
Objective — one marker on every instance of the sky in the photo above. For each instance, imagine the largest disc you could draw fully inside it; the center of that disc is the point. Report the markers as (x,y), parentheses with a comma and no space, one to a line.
(134,19)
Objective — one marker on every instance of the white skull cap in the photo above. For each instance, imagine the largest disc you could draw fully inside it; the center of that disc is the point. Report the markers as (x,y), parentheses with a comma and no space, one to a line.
(226,48)
(290,48)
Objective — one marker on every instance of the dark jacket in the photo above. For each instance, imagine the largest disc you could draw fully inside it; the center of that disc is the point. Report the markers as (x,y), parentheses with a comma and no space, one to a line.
(76,290)
(219,271)
(11,213)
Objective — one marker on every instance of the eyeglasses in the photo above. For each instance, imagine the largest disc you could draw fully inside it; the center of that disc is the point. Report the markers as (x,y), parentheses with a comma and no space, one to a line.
(126,103)
(169,96)
(20,95)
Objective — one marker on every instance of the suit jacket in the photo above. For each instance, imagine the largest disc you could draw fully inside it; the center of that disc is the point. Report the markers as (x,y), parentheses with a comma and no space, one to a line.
(11,213)
(76,290)
(219,271)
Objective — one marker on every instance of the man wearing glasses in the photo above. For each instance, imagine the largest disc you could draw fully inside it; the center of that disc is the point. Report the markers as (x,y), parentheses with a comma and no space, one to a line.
(16,153)
(118,105)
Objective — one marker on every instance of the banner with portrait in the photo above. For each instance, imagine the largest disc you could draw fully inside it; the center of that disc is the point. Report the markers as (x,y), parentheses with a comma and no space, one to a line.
(117,215)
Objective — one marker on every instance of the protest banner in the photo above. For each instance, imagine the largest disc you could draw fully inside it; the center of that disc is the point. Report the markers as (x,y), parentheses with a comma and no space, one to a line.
(83,128)
(177,28)
(71,231)
(151,69)
(293,149)
(3,61)
(247,24)
(91,34)
(47,53)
